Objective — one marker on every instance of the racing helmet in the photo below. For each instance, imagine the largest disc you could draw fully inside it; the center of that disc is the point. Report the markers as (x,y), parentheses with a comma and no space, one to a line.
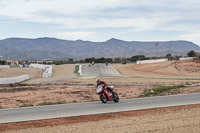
(98,80)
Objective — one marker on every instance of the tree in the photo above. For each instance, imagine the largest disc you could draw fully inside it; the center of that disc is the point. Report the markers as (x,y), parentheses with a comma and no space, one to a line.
(191,53)
(89,60)
(70,59)
(117,59)
(108,60)
(137,57)
(169,56)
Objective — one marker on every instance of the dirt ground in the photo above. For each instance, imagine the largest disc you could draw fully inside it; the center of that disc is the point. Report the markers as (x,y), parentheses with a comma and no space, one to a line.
(187,68)
(24,96)
(14,72)
(180,119)
(134,74)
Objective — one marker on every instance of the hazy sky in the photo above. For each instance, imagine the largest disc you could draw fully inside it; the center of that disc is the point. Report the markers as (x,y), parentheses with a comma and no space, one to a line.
(100,20)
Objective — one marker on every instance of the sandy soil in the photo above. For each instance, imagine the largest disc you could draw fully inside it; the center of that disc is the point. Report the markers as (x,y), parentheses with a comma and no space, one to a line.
(165,69)
(61,74)
(181,119)
(141,74)
(14,72)
(64,74)
(21,96)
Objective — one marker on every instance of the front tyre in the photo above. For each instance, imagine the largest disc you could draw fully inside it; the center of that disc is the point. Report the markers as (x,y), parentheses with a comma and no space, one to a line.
(115,96)
(102,98)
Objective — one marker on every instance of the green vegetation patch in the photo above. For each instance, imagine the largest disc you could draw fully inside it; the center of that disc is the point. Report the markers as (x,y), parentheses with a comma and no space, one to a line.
(76,69)
(52,103)
(26,105)
(160,89)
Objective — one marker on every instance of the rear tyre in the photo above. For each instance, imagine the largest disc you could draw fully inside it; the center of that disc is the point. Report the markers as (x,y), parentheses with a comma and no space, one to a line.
(115,96)
(103,98)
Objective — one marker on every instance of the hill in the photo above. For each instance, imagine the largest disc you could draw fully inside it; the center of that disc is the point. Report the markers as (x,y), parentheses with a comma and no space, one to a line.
(54,49)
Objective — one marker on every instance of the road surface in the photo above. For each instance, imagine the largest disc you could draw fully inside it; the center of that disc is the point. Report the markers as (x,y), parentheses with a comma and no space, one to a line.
(99,70)
(77,109)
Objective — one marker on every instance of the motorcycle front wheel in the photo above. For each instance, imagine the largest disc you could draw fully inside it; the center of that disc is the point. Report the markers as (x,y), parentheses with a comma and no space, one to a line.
(115,96)
(103,98)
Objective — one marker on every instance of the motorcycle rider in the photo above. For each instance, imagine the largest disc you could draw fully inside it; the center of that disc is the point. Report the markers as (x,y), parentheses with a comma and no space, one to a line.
(105,85)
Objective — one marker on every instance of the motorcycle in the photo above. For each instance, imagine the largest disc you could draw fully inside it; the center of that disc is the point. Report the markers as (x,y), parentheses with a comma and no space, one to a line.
(105,95)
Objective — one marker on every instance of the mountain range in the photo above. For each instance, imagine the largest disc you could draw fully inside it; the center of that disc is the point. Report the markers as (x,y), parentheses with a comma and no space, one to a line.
(57,49)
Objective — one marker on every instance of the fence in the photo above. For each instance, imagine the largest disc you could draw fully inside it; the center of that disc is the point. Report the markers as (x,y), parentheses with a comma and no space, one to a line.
(13,80)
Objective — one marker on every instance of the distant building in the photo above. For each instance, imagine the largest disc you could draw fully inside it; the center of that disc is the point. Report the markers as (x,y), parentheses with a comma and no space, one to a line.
(12,62)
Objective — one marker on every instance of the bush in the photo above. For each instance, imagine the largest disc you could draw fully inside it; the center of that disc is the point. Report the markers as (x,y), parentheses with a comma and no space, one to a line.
(191,53)
(160,89)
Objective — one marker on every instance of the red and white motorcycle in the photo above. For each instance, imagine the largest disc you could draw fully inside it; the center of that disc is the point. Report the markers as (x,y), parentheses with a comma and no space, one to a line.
(105,95)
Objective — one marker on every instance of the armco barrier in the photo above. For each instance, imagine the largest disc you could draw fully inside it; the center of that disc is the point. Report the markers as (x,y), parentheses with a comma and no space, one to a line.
(47,69)
(14,79)
(151,61)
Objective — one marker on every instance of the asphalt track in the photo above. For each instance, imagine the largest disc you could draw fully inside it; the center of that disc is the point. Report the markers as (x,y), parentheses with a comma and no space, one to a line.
(99,70)
(102,70)
(89,108)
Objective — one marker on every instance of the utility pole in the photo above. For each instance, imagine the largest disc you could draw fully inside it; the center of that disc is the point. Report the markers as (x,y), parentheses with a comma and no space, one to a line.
(168,49)
(6,53)
(124,53)
(25,56)
(156,45)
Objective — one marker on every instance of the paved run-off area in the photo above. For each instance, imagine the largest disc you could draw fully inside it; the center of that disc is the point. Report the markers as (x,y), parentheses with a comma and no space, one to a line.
(99,70)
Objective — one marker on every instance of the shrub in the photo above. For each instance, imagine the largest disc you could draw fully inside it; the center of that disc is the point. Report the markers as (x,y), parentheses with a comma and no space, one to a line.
(160,89)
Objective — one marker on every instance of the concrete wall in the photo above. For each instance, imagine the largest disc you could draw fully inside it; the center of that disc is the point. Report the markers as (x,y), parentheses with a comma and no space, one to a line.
(151,61)
(187,58)
(13,80)
(4,66)
(48,69)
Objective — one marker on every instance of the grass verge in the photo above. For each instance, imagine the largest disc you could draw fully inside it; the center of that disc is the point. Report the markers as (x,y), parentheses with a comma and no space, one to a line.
(160,89)
(76,69)
(26,105)
(52,103)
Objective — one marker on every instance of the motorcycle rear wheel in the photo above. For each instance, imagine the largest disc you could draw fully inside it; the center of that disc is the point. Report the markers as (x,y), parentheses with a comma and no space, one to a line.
(102,98)
(115,96)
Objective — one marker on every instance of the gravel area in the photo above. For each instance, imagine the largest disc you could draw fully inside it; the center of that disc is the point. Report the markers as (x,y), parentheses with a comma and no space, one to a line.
(180,119)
